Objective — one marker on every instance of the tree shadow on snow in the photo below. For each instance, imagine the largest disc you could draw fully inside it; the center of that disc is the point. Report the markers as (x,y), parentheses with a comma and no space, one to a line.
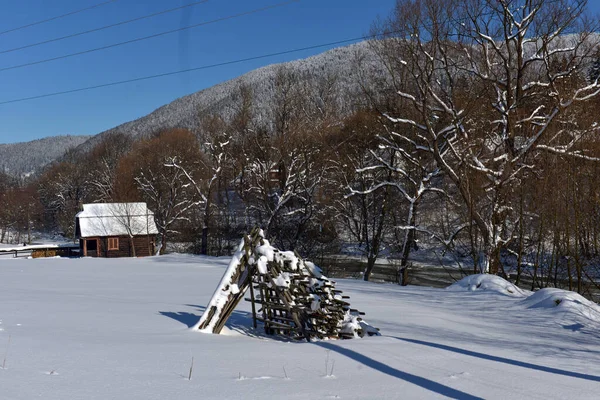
(396,373)
(577,327)
(239,321)
(502,359)
(185,318)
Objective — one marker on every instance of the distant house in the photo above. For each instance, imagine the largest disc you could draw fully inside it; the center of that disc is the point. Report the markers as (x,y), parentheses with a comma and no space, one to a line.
(116,230)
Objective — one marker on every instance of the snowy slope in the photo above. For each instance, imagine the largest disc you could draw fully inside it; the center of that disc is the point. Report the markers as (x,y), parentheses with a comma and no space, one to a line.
(20,160)
(337,65)
(119,329)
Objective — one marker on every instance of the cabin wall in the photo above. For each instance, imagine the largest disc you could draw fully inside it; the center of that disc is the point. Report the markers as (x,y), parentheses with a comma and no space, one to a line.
(144,246)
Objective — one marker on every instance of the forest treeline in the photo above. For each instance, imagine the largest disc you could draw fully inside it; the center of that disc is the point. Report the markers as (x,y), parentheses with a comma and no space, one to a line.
(482,141)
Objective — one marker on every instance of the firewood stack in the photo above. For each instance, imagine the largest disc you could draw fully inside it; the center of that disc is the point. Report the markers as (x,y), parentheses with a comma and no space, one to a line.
(289,296)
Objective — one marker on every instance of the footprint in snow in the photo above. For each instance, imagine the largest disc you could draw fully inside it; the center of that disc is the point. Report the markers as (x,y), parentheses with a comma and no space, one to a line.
(246,378)
(52,372)
(460,375)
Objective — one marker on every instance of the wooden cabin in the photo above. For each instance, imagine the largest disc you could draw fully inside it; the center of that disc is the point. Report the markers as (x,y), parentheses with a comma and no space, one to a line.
(116,230)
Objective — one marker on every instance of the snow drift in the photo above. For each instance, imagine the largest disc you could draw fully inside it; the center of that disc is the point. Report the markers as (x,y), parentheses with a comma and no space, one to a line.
(569,304)
(489,283)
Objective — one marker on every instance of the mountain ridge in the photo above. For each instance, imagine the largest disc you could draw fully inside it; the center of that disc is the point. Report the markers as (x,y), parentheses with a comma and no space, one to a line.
(24,159)
(340,65)
(187,111)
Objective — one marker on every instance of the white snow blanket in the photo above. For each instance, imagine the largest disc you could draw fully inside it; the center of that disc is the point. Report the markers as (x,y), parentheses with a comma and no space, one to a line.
(100,329)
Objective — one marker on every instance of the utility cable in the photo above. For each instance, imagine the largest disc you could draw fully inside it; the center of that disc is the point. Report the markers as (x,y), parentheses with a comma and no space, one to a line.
(103,27)
(57,17)
(231,62)
(257,10)
(242,60)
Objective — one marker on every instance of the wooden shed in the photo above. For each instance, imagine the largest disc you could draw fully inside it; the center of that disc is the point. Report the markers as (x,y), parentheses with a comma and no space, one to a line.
(116,230)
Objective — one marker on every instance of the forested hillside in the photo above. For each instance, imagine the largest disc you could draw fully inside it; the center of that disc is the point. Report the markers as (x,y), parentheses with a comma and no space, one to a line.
(338,74)
(24,159)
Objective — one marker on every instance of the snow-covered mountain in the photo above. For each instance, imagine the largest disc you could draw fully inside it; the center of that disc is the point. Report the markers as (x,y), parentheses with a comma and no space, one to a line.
(345,71)
(339,65)
(21,160)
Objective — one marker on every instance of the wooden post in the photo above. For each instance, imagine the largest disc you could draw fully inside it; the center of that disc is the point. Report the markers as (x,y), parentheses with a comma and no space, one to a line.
(404,272)
(253,304)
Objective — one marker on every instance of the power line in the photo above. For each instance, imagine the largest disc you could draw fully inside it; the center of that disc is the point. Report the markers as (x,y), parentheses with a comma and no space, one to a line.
(238,61)
(257,10)
(103,27)
(188,70)
(58,17)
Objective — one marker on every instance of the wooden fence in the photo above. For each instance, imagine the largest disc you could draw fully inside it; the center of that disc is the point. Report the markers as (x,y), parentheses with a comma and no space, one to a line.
(38,251)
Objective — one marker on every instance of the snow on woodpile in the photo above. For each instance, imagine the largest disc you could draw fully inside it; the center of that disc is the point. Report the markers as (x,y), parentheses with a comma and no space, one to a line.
(566,303)
(489,283)
(290,296)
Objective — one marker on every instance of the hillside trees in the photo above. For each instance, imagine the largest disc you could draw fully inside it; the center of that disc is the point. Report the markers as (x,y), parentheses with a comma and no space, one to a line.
(226,142)
(62,189)
(20,211)
(363,208)
(161,168)
(103,160)
(5,220)
(492,86)
(203,174)
(283,163)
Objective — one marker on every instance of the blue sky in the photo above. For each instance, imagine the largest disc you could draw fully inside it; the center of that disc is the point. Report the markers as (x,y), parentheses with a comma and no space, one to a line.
(299,24)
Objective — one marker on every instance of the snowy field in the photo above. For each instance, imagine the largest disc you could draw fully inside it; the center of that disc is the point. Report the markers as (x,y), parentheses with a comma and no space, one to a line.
(119,329)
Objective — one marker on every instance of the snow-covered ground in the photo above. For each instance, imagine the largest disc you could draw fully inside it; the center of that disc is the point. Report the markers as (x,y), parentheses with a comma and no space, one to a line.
(119,329)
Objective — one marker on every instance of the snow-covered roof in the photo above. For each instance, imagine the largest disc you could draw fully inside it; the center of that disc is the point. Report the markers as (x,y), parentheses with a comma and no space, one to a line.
(115,219)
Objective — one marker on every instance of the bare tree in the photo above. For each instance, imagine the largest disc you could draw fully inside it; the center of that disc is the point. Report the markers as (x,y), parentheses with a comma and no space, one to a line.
(492,84)
(204,183)
(62,190)
(166,189)
(102,166)
(363,208)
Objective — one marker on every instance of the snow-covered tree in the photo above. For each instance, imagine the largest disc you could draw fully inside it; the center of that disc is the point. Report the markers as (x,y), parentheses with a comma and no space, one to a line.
(203,175)
(281,183)
(491,85)
(150,169)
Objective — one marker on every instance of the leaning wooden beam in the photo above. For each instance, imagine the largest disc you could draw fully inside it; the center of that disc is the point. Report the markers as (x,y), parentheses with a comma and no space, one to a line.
(232,287)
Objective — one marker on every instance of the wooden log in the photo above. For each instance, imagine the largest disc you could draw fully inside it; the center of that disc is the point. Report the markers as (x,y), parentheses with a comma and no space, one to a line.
(253,305)
(277,325)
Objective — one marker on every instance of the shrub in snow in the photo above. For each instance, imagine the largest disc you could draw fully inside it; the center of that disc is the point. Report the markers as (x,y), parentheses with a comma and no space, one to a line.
(565,302)
(487,282)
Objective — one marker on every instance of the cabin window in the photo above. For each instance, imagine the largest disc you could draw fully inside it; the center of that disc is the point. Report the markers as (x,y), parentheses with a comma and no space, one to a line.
(113,243)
